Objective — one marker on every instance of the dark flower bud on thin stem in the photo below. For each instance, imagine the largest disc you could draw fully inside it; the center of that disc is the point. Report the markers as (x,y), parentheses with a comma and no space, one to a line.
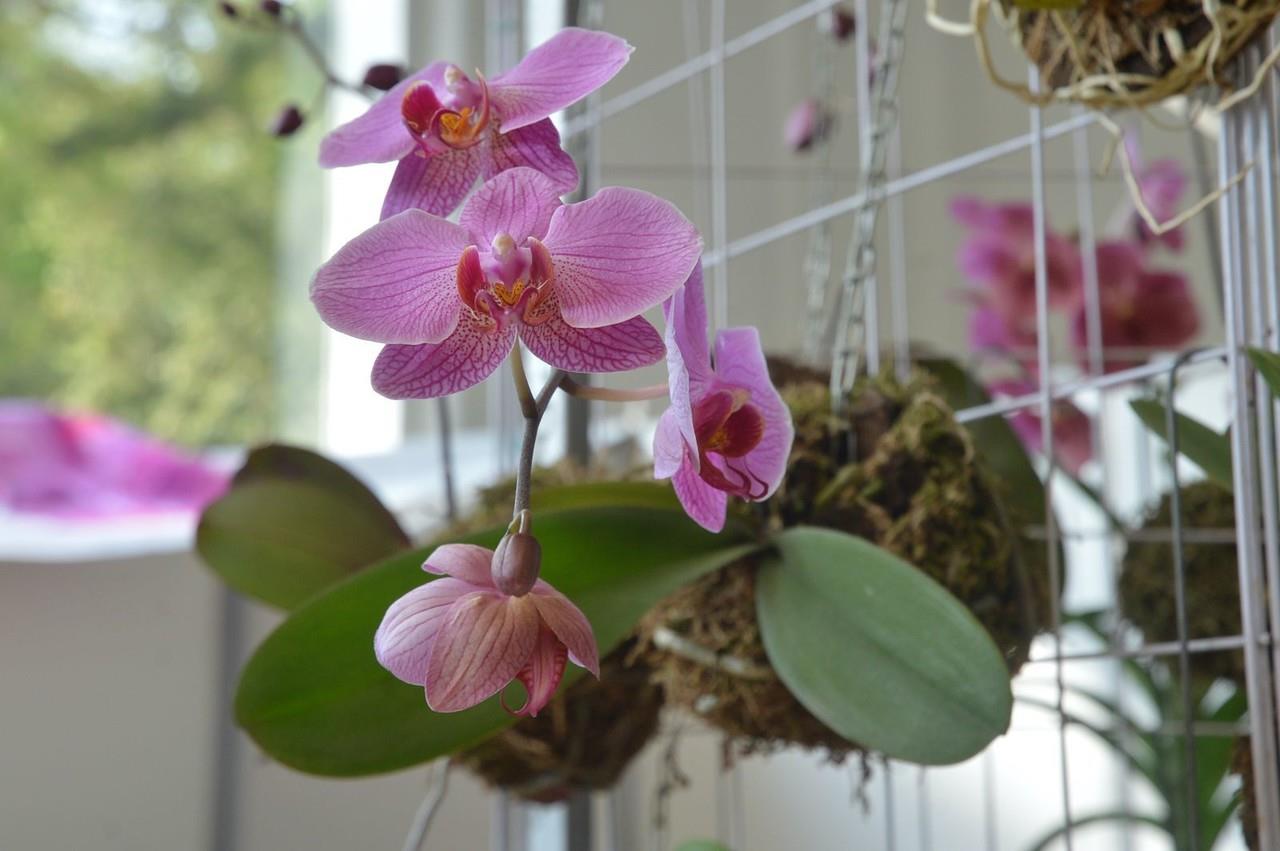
(229,9)
(287,122)
(518,559)
(274,8)
(840,23)
(383,76)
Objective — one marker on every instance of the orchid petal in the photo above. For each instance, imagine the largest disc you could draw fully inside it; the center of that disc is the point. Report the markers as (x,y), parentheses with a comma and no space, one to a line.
(569,624)
(518,203)
(565,68)
(436,183)
(535,146)
(394,283)
(669,445)
(740,363)
(614,348)
(688,357)
(408,631)
(542,674)
(468,356)
(467,562)
(379,135)
(706,505)
(619,254)
(486,640)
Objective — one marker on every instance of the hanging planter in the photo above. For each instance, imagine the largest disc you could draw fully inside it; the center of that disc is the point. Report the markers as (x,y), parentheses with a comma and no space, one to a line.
(1147,579)
(1124,53)
(896,470)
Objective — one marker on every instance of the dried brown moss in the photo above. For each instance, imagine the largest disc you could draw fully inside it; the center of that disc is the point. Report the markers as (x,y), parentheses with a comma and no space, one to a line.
(1146,588)
(896,469)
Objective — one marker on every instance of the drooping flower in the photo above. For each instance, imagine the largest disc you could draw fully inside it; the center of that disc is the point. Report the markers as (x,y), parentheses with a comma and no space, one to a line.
(451,299)
(1161,185)
(1072,431)
(464,640)
(93,467)
(999,256)
(992,332)
(727,430)
(1140,309)
(809,124)
(446,129)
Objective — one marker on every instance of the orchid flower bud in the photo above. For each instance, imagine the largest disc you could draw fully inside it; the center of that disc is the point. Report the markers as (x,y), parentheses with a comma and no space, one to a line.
(518,558)
(383,76)
(287,122)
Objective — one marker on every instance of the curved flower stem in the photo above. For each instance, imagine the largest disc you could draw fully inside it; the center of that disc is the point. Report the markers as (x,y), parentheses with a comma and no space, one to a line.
(532,408)
(610,394)
(437,786)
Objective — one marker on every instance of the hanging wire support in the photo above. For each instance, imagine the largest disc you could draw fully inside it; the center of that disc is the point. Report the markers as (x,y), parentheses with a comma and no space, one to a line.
(860,267)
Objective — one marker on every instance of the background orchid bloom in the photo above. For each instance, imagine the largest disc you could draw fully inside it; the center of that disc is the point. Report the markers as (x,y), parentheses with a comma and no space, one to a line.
(446,129)
(1072,431)
(1161,184)
(727,430)
(464,640)
(999,256)
(1140,309)
(93,467)
(568,280)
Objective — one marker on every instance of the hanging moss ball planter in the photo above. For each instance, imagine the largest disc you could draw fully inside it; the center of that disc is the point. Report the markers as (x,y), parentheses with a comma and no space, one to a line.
(1147,578)
(1127,53)
(895,469)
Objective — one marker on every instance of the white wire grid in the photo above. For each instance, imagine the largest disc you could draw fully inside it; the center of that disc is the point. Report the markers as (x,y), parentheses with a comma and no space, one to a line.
(1246,218)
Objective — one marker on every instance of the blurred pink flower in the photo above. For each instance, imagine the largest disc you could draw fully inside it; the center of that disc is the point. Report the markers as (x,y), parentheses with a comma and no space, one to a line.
(999,256)
(1162,184)
(992,332)
(94,467)
(808,124)
(464,640)
(1072,432)
(1140,309)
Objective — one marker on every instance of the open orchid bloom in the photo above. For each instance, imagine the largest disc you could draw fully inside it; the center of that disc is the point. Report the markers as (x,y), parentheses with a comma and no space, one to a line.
(465,641)
(1072,431)
(727,430)
(92,467)
(1141,309)
(568,280)
(1162,184)
(999,256)
(446,129)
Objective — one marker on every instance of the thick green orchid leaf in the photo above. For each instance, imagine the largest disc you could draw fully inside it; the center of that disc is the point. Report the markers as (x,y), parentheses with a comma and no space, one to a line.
(292,524)
(599,494)
(1268,366)
(1207,449)
(314,697)
(878,651)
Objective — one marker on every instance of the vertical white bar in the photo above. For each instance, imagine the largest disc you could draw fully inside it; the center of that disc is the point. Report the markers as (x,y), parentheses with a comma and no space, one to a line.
(866,110)
(719,180)
(900,318)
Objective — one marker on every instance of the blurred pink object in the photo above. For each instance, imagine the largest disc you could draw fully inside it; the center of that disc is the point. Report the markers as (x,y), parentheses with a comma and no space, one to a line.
(999,256)
(807,125)
(1141,310)
(1161,184)
(991,332)
(1072,432)
(93,467)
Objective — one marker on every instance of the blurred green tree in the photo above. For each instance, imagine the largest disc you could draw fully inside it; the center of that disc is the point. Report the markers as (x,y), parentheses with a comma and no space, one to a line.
(138,194)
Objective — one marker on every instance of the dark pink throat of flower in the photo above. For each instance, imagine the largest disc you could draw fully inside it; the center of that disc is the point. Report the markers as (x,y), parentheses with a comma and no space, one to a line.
(512,282)
(456,122)
(728,425)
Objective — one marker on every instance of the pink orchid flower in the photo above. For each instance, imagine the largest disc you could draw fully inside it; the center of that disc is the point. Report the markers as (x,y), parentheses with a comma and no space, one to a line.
(1161,184)
(568,280)
(727,430)
(446,129)
(1141,310)
(1072,431)
(92,467)
(991,331)
(999,255)
(465,640)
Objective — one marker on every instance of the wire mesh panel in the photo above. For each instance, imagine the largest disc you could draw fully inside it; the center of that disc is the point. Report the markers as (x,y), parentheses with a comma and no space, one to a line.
(1147,704)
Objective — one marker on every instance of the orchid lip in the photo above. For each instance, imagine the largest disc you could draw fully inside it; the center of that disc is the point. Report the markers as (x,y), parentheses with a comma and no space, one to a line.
(438,126)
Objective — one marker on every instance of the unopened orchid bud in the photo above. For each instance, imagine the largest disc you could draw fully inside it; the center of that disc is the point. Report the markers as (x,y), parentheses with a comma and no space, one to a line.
(229,9)
(274,8)
(808,124)
(840,23)
(383,76)
(287,122)
(517,560)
